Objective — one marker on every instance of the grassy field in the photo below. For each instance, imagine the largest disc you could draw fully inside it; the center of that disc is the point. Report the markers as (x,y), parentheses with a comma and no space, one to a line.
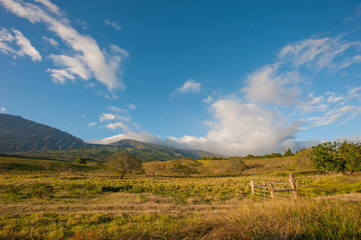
(47,199)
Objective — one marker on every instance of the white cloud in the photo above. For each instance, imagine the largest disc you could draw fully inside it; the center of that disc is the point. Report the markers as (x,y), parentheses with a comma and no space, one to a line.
(3,110)
(269,86)
(106,116)
(60,75)
(92,124)
(335,114)
(113,126)
(190,86)
(317,53)
(208,100)
(131,106)
(5,38)
(53,42)
(104,66)
(115,109)
(73,65)
(356,14)
(50,6)
(25,47)
(142,137)
(124,118)
(113,24)
(355,92)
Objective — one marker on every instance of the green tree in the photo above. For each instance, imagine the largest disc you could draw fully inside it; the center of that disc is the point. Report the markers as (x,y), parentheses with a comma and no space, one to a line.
(273,155)
(80,160)
(288,153)
(350,154)
(185,166)
(250,156)
(345,157)
(125,163)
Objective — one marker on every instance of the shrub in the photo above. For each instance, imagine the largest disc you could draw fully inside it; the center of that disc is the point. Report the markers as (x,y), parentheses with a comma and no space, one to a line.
(288,153)
(42,190)
(185,166)
(80,160)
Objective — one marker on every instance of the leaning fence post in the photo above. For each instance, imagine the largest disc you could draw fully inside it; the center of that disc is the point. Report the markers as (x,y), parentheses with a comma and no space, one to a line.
(252,187)
(273,192)
(293,185)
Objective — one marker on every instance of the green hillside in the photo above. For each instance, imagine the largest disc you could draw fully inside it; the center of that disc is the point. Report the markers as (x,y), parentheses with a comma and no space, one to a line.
(143,151)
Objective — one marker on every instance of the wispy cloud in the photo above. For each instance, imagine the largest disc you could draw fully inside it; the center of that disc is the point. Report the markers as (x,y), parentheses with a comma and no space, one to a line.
(106,116)
(92,124)
(50,6)
(190,85)
(318,53)
(131,106)
(25,48)
(208,100)
(113,24)
(116,125)
(60,75)
(104,65)
(116,109)
(356,15)
(52,41)
(73,66)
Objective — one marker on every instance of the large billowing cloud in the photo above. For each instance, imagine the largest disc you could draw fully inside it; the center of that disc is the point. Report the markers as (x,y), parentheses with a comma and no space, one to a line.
(87,60)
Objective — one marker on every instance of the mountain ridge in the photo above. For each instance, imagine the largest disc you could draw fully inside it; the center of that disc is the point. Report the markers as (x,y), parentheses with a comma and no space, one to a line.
(19,135)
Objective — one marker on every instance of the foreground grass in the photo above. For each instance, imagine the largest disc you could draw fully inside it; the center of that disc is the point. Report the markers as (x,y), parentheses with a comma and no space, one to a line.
(268,220)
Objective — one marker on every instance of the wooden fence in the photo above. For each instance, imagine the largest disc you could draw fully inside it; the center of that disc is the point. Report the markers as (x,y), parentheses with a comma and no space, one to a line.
(275,190)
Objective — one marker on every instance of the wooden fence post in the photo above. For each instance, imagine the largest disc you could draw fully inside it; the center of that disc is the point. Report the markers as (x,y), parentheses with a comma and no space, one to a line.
(264,189)
(273,192)
(293,185)
(252,187)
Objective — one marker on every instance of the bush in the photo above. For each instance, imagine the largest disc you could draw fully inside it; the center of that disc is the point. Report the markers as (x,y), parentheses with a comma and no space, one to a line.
(80,160)
(288,153)
(42,190)
(235,165)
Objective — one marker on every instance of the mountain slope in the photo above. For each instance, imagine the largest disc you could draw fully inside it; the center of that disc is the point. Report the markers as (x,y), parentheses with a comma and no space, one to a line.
(176,153)
(20,135)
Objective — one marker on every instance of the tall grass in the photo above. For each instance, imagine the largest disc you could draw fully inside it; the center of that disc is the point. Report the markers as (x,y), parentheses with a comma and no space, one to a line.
(282,220)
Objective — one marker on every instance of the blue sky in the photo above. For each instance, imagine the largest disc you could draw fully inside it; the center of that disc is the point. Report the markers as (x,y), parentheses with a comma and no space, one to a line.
(231,77)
